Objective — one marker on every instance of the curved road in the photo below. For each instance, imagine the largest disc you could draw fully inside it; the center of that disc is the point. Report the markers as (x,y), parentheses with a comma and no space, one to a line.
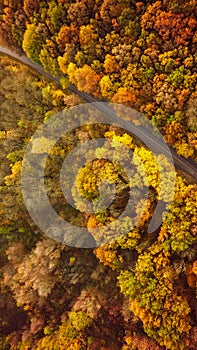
(186,165)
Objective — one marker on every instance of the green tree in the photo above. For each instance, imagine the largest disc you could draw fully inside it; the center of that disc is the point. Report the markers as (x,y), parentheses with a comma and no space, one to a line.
(34,40)
(56,15)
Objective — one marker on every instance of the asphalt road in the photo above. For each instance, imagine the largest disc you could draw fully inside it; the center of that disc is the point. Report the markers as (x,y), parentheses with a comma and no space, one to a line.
(187,166)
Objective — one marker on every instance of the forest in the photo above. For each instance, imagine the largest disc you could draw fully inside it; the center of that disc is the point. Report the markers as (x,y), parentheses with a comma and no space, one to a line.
(137,290)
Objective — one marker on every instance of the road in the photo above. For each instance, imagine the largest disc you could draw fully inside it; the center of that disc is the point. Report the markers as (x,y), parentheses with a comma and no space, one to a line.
(188,166)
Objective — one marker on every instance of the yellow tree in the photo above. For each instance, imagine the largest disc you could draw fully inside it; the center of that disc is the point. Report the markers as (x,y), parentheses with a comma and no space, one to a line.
(85,78)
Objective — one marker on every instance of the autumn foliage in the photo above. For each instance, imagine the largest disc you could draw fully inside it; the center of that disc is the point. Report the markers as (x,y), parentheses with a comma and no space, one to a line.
(136,290)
